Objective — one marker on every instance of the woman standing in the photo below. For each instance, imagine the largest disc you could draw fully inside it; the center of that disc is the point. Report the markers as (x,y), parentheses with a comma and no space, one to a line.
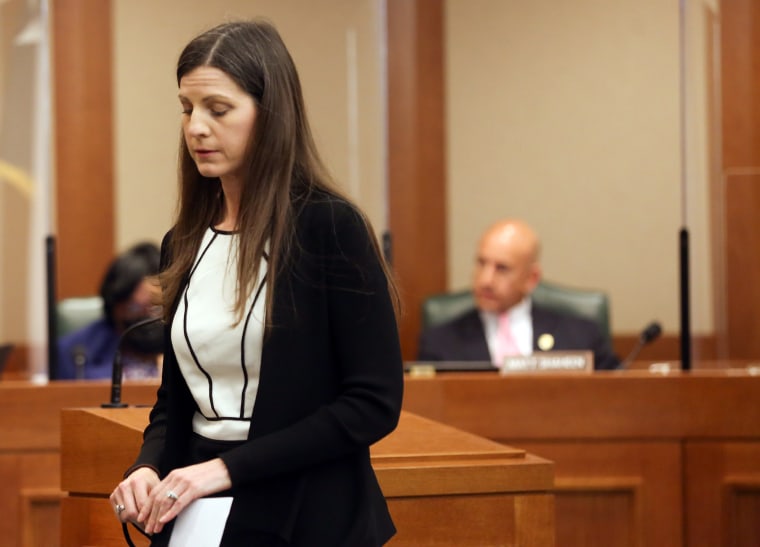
(284,364)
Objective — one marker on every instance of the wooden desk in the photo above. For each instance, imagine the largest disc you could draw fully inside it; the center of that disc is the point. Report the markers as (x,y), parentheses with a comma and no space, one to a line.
(641,460)
(443,486)
(30,461)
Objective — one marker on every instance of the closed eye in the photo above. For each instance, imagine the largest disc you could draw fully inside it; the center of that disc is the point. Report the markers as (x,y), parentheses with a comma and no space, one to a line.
(187,107)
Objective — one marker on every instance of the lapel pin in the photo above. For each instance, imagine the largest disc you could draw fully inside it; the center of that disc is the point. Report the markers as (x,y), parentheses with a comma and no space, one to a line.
(545,342)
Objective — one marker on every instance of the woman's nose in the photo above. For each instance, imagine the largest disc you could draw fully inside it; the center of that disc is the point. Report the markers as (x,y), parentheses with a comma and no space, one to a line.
(196,125)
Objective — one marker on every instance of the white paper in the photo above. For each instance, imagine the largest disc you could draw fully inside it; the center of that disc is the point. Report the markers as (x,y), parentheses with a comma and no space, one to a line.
(201,524)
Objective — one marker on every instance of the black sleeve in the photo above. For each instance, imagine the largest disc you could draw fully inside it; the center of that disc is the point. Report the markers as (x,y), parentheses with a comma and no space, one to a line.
(366,353)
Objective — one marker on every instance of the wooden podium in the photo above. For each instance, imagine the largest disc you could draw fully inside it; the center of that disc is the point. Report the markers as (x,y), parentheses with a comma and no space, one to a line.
(444,486)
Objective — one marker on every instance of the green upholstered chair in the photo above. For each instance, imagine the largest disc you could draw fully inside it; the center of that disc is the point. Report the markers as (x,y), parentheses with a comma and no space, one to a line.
(77,312)
(442,307)
(592,304)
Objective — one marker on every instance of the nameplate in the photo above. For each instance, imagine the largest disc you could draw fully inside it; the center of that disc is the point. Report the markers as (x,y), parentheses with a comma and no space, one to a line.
(549,361)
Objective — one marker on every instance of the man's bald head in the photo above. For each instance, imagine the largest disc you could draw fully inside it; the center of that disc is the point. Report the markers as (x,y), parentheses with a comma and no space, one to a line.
(506,265)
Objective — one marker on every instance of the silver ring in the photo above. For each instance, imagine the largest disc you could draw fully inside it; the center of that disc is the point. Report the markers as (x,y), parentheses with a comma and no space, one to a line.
(172,495)
(119,508)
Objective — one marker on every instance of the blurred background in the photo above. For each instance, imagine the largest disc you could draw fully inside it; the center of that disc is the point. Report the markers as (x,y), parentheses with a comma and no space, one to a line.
(609,126)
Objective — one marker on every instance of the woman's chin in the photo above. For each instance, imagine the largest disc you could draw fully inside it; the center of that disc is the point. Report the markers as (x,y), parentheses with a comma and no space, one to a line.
(208,171)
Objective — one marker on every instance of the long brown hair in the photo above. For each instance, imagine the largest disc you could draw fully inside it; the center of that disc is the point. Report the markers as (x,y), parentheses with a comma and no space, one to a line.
(281,152)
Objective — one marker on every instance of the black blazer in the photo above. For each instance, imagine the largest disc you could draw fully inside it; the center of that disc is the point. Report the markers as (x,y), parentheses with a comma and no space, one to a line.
(331,384)
(464,339)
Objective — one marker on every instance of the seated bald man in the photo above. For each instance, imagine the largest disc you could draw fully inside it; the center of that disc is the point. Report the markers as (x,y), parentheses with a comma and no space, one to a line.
(506,271)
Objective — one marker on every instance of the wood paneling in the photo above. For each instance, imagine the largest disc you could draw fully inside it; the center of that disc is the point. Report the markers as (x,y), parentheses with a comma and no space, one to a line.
(17,367)
(443,486)
(740,132)
(30,460)
(603,406)
(81,36)
(625,444)
(22,473)
(30,443)
(743,508)
(40,516)
(416,159)
(743,263)
(723,493)
(473,521)
(640,459)
(621,494)
(101,528)
(740,77)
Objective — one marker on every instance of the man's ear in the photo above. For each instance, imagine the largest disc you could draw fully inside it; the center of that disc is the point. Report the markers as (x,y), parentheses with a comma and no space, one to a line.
(534,276)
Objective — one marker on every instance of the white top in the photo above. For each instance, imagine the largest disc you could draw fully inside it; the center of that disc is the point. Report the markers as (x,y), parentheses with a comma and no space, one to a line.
(220,360)
(520,323)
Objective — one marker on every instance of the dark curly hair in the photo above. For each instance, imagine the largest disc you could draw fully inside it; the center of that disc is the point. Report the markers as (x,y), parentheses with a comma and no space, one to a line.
(126,272)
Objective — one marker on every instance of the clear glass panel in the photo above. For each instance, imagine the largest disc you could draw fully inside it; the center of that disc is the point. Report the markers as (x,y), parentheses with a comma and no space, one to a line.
(600,124)
(24,177)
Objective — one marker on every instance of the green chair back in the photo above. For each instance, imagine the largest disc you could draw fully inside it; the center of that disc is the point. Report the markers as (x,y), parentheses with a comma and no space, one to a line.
(591,304)
(77,312)
(443,307)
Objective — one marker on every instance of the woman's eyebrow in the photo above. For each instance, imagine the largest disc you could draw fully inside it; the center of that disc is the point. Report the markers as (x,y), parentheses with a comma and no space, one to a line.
(207,98)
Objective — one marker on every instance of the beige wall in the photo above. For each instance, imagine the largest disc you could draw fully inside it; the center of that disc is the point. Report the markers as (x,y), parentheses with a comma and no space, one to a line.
(563,113)
(566,114)
(336,46)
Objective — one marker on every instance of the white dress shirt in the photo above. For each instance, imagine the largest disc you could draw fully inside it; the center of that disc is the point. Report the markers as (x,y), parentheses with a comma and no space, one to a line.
(520,323)
(219,356)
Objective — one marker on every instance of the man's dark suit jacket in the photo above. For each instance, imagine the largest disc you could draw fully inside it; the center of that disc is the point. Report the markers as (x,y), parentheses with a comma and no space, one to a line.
(464,339)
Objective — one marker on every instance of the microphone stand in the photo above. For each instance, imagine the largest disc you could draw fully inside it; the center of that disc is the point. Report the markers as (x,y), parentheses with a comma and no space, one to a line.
(634,353)
(684,301)
(117,367)
(649,334)
(631,356)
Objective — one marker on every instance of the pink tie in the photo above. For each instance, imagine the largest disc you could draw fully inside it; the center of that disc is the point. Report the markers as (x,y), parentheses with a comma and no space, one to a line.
(506,344)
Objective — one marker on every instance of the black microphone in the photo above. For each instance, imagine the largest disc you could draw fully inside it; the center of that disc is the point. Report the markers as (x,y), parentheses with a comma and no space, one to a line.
(650,333)
(118,369)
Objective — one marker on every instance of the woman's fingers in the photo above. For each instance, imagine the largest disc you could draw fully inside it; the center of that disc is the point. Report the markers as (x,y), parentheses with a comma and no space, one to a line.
(132,493)
(165,504)
(179,489)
